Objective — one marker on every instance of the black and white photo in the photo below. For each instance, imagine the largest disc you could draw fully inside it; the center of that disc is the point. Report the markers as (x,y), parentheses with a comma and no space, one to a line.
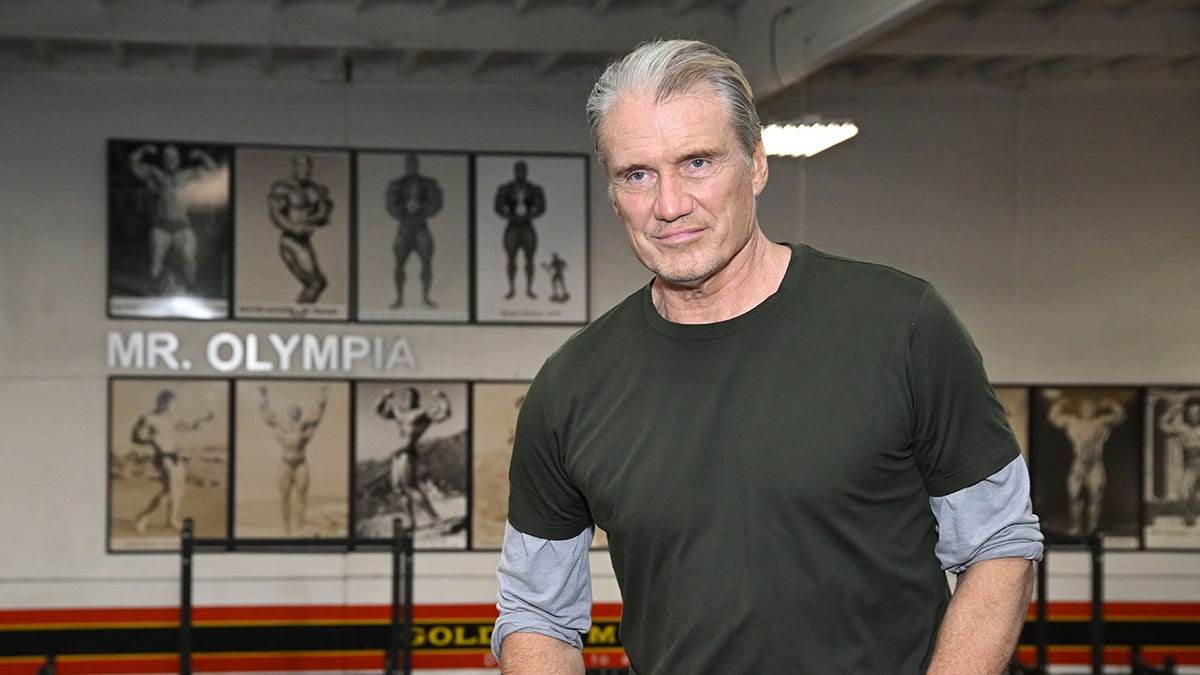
(1086,452)
(292,243)
(531,238)
(168,229)
(1172,468)
(413,236)
(411,461)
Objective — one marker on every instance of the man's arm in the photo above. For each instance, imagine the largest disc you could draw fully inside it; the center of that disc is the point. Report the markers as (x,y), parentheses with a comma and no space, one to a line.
(1058,413)
(139,167)
(1116,411)
(988,536)
(533,654)
(141,433)
(980,630)
(441,411)
(264,406)
(545,603)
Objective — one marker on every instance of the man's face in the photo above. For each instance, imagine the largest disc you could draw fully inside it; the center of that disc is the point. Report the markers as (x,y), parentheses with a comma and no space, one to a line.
(170,158)
(1087,408)
(302,167)
(680,183)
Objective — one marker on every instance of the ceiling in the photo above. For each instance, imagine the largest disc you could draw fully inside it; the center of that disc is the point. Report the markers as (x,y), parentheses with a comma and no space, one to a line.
(531,42)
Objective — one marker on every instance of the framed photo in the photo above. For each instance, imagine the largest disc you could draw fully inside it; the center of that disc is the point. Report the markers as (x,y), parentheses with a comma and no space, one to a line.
(1016,409)
(411,461)
(493,428)
(168,229)
(292,235)
(292,459)
(168,459)
(1172,468)
(414,251)
(531,248)
(1086,449)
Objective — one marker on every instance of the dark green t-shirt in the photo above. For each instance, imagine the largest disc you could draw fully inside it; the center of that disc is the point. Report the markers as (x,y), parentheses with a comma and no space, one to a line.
(765,481)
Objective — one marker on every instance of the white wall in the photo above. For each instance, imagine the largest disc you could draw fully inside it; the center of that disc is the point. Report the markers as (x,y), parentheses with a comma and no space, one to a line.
(1060,224)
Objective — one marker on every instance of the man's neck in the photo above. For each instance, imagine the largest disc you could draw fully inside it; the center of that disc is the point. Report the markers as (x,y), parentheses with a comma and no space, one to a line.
(751,277)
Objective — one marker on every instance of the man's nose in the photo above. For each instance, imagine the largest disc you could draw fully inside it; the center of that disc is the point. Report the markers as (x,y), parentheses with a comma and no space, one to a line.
(673,200)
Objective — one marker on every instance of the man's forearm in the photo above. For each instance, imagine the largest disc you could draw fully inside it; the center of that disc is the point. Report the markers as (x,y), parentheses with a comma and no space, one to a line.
(980,630)
(534,654)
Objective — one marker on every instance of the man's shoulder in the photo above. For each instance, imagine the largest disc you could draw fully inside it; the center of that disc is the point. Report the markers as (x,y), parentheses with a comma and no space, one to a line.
(844,267)
(850,282)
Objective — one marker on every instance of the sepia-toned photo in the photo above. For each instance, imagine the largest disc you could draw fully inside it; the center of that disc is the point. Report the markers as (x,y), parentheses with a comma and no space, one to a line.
(1015,401)
(411,461)
(292,459)
(292,241)
(1172,468)
(1086,449)
(493,428)
(168,229)
(168,460)
(531,238)
(413,233)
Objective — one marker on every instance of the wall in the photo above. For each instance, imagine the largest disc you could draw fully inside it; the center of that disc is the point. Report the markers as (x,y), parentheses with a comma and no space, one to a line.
(1059,222)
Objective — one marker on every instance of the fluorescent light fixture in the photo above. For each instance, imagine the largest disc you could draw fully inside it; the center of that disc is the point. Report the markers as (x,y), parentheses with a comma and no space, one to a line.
(805,139)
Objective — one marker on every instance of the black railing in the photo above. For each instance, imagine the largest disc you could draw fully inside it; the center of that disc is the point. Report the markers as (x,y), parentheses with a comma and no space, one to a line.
(398,654)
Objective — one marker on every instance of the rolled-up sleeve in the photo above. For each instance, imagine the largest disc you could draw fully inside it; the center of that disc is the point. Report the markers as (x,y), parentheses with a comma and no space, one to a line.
(545,587)
(991,519)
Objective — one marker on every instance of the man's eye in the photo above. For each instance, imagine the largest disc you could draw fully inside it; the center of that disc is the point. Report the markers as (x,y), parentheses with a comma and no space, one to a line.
(699,163)
(636,176)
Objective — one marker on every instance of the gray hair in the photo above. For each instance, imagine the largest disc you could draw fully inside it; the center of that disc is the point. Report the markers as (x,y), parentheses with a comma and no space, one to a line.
(670,67)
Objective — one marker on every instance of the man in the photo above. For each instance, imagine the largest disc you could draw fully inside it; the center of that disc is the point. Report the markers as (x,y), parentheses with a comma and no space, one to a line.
(558,285)
(412,199)
(1088,429)
(171,230)
(412,421)
(157,429)
(713,424)
(298,205)
(293,431)
(1183,422)
(519,201)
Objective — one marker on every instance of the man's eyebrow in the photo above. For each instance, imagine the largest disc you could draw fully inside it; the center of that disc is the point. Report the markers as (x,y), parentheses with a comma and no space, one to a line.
(627,168)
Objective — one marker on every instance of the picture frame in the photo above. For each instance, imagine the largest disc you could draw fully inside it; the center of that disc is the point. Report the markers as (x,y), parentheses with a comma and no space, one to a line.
(291,459)
(413,236)
(1015,401)
(1171,489)
(1084,438)
(292,235)
(412,461)
(169,229)
(494,410)
(531,238)
(168,459)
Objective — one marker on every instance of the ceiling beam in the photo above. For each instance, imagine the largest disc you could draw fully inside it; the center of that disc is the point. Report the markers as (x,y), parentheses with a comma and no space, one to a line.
(545,63)
(1054,8)
(1025,34)
(781,42)
(395,25)
(1135,7)
(42,49)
